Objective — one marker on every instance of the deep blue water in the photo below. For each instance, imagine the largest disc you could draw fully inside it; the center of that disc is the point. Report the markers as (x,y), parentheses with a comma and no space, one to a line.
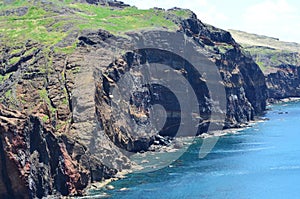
(262,162)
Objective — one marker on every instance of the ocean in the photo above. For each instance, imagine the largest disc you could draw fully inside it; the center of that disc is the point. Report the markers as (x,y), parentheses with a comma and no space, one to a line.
(261,162)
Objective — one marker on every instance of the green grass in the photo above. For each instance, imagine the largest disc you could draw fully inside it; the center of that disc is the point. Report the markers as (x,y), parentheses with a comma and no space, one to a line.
(31,26)
(261,65)
(29,52)
(182,13)
(45,118)
(4,77)
(13,4)
(65,50)
(224,48)
(44,95)
(65,101)
(117,21)
(34,13)
(49,28)
(8,94)
(272,57)
(261,50)
(14,60)
(68,1)
(15,51)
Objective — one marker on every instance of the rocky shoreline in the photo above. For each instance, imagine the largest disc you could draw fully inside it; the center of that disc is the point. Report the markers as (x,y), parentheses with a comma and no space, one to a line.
(181,142)
(173,147)
(284,100)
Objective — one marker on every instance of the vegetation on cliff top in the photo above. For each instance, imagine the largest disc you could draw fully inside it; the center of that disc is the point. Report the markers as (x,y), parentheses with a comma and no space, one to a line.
(268,52)
(49,23)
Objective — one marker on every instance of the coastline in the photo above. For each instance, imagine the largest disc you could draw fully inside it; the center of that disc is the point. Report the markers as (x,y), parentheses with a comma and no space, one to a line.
(247,148)
(101,185)
(105,185)
(283,100)
(290,99)
(232,131)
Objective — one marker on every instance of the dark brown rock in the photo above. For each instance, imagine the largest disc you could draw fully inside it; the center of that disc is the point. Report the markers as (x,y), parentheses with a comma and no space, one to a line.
(284,83)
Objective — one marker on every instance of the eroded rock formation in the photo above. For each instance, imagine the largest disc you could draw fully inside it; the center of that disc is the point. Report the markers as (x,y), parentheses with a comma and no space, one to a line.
(58,131)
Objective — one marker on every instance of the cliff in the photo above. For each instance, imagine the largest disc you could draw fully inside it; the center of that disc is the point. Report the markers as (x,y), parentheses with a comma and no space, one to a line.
(35,162)
(278,60)
(60,63)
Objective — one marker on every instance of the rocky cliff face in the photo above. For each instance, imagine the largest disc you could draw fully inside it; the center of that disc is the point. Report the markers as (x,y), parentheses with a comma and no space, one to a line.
(243,80)
(58,128)
(284,83)
(35,162)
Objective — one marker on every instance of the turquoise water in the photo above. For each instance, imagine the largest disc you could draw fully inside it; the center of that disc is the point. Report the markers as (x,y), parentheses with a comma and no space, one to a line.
(262,162)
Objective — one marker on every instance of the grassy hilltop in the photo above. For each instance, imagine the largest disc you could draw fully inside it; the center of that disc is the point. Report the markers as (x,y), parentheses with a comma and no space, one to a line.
(51,23)
(268,52)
